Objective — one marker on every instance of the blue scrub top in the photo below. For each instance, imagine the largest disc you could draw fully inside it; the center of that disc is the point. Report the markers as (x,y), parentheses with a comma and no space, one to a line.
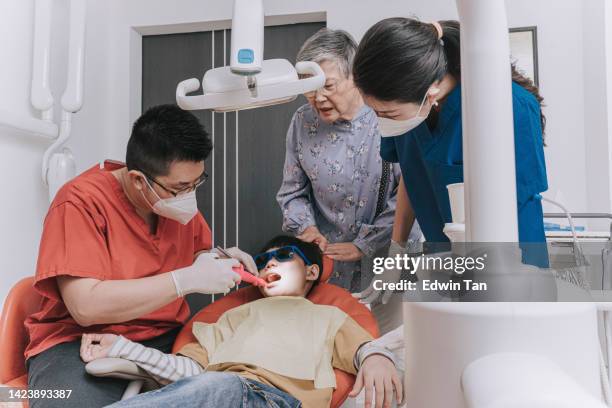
(432,159)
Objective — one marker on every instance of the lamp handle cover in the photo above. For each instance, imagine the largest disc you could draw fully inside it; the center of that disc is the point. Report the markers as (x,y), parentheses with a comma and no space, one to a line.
(243,97)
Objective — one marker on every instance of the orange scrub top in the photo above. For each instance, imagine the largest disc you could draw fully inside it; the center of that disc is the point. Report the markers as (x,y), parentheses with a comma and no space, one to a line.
(93,231)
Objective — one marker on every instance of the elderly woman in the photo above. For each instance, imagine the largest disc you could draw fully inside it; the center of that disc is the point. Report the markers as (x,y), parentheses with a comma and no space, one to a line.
(336,190)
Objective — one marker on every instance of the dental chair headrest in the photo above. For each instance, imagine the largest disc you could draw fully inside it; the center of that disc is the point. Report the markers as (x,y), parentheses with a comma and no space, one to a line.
(328,268)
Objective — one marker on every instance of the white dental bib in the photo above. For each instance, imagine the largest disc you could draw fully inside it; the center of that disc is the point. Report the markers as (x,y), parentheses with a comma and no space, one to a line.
(288,335)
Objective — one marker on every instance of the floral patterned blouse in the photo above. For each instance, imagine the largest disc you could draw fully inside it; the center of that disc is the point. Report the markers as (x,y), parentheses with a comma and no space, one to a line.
(331,179)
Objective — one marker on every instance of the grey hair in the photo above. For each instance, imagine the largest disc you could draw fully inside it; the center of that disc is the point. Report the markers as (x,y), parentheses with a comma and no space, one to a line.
(330,45)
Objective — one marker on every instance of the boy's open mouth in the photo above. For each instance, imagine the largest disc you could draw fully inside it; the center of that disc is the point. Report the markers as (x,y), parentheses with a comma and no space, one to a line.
(272,277)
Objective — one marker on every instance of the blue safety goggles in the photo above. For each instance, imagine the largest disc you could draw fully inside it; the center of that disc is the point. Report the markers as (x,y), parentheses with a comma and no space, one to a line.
(282,254)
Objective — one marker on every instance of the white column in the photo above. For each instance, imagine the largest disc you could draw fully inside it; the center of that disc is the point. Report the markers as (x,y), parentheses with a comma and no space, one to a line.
(488,131)
(608,51)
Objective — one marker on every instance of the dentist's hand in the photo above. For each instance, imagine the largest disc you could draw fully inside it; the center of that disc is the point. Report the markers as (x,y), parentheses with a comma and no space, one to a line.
(312,234)
(242,257)
(388,276)
(95,346)
(208,274)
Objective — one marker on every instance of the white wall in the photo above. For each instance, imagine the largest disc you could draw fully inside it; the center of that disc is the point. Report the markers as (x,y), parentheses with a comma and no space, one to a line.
(596,106)
(560,55)
(23,204)
(24,198)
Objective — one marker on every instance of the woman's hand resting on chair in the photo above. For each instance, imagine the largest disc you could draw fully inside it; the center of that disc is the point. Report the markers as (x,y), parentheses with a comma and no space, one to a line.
(312,234)
(96,345)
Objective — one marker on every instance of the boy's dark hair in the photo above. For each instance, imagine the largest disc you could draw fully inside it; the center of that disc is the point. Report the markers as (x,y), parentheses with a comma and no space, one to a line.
(309,249)
(162,135)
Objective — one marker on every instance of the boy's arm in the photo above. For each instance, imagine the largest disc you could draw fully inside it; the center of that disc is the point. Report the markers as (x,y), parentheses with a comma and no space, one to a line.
(165,368)
(355,351)
(352,345)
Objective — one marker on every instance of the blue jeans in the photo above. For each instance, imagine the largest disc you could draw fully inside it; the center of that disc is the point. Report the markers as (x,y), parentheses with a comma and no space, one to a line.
(61,368)
(213,390)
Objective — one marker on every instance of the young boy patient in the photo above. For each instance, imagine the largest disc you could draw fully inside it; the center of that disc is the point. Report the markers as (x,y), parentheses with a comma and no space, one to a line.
(278,351)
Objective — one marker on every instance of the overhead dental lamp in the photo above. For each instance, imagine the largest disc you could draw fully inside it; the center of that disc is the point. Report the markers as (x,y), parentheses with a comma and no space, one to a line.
(249,81)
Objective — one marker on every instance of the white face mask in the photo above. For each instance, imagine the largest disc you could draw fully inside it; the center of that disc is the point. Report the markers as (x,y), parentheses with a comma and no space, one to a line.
(390,127)
(181,208)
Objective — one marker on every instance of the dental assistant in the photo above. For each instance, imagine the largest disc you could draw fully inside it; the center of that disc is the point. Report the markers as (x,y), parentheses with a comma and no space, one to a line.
(121,247)
(409,72)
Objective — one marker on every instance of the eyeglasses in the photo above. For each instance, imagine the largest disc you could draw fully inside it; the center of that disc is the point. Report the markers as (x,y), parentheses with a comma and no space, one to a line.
(329,89)
(283,254)
(201,180)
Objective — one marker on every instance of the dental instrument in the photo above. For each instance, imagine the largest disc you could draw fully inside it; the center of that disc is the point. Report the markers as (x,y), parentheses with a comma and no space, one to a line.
(577,273)
(249,277)
(244,275)
(249,81)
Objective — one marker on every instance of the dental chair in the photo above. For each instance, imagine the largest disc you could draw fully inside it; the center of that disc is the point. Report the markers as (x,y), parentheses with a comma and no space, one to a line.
(21,302)
(324,294)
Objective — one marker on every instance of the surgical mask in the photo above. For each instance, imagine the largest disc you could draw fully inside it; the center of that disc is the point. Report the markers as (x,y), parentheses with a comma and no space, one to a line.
(391,127)
(181,208)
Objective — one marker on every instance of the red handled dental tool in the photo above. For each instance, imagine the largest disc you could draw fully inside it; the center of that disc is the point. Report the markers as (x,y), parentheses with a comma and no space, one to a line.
(244,275)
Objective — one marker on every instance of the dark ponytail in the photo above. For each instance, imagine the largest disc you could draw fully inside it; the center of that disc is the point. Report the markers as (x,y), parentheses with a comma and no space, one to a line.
(452,47)
(399,58)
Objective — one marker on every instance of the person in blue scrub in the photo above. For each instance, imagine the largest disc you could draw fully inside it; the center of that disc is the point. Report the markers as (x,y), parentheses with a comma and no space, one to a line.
(409,72)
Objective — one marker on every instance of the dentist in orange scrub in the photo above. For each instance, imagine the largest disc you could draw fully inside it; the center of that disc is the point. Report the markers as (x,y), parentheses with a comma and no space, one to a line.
(122,244)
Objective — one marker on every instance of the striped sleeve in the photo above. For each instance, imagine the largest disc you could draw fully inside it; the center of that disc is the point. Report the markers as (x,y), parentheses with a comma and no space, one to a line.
(369,349)
(165,368)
